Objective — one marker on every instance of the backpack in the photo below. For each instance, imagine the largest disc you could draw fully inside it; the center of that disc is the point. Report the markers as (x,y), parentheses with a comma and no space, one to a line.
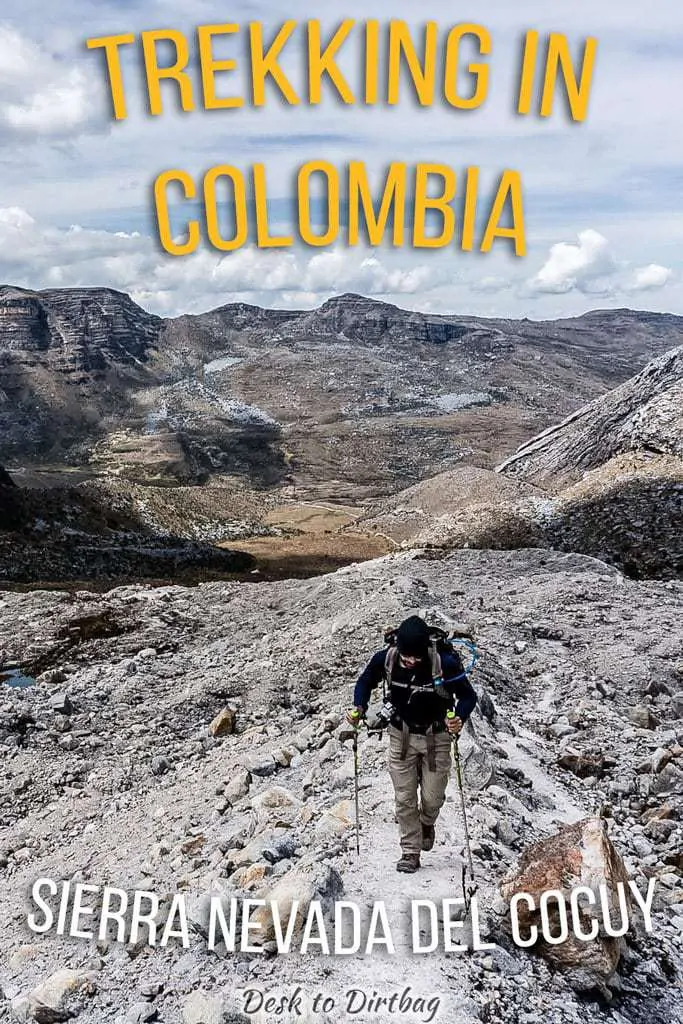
(440,643)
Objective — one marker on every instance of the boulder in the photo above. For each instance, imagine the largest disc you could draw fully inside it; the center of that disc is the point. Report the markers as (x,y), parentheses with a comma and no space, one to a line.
(641,716)
(579,854)
(250,877)
(223,724)
(60,996)
(268,846)
(669,780)
(261,765)
(582,764)
(305,883)
(335,821)
(275,808)
(61,704)
(238,786)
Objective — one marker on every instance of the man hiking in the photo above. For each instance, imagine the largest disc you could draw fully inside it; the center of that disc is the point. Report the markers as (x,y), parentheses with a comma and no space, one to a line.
(422,686)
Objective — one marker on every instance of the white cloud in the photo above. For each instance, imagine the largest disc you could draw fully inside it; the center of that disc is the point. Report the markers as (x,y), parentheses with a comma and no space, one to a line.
(591,268)
(491,284)
(585,267)
(344,270)
(35,256)
(42,97)
(650,278)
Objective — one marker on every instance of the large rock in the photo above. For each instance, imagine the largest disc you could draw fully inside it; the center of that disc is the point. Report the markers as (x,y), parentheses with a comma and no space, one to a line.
(305,883)
(579,854)
(223,724)
(58,998)
(276,808)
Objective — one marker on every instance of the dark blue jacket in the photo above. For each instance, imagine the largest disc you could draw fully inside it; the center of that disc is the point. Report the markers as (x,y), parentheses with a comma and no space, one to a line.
(421,708)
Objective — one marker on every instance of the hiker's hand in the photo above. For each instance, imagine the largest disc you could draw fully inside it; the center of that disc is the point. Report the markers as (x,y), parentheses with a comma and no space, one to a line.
(454,725)
(355,716)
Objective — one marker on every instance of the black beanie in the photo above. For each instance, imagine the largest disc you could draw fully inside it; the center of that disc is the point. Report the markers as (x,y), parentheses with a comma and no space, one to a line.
(412,637)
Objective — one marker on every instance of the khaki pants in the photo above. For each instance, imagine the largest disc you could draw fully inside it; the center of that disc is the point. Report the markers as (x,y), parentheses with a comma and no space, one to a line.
(413,772)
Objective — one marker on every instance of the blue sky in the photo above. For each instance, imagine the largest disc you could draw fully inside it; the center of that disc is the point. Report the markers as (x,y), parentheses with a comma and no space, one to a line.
(602,199)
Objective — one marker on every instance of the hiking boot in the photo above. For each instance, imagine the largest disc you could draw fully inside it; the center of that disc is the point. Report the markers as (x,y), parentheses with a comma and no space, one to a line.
(408,863)
(428,836)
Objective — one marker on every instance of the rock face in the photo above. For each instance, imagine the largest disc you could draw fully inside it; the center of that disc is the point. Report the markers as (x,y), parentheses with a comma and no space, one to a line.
(68,359)
(578,855)
(81,329)
(643,415)
(5,479)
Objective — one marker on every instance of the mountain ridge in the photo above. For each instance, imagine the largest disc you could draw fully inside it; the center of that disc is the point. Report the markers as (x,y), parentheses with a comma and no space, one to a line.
(88,378)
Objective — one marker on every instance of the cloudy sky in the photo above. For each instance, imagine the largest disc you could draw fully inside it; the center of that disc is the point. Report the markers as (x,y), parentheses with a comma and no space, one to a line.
(602,199)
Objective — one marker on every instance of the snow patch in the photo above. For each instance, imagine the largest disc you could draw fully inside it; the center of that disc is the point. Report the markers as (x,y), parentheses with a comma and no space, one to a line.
(461,400)
(222,363)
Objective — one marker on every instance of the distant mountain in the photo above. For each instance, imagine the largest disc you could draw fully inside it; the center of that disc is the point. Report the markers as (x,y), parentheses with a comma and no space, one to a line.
(70,362)
(357,398)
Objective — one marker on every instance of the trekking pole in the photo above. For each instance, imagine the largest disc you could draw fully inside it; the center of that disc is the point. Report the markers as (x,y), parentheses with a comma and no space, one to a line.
(467,891)
(353,734)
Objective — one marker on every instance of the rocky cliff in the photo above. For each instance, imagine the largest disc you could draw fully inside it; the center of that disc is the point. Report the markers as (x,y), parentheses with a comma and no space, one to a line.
(644,415)
(70,361)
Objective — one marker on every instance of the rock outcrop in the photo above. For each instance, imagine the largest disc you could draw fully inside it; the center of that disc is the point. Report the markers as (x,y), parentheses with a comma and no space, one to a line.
(579,855)
(626,509)
(643,415)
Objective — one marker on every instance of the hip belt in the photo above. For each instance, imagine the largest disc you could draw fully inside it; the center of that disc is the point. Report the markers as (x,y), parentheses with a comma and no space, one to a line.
(428,731)
(419,730)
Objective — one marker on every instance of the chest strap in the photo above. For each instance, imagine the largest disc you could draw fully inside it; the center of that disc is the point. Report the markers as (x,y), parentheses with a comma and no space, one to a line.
(390,664)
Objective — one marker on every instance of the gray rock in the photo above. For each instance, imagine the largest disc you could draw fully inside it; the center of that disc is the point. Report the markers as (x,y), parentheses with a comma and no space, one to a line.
(559,729)
(61,703)
(641,716)
(261,765)
(140,1013)
(160,765)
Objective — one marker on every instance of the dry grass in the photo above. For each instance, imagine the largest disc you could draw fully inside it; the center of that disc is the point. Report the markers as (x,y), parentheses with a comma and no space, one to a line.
(317,540)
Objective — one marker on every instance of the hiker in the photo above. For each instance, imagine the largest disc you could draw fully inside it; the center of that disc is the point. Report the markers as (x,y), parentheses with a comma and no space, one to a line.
(422,686)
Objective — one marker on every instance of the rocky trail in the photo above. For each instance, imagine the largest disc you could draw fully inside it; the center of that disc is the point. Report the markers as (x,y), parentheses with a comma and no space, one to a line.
(181,740)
